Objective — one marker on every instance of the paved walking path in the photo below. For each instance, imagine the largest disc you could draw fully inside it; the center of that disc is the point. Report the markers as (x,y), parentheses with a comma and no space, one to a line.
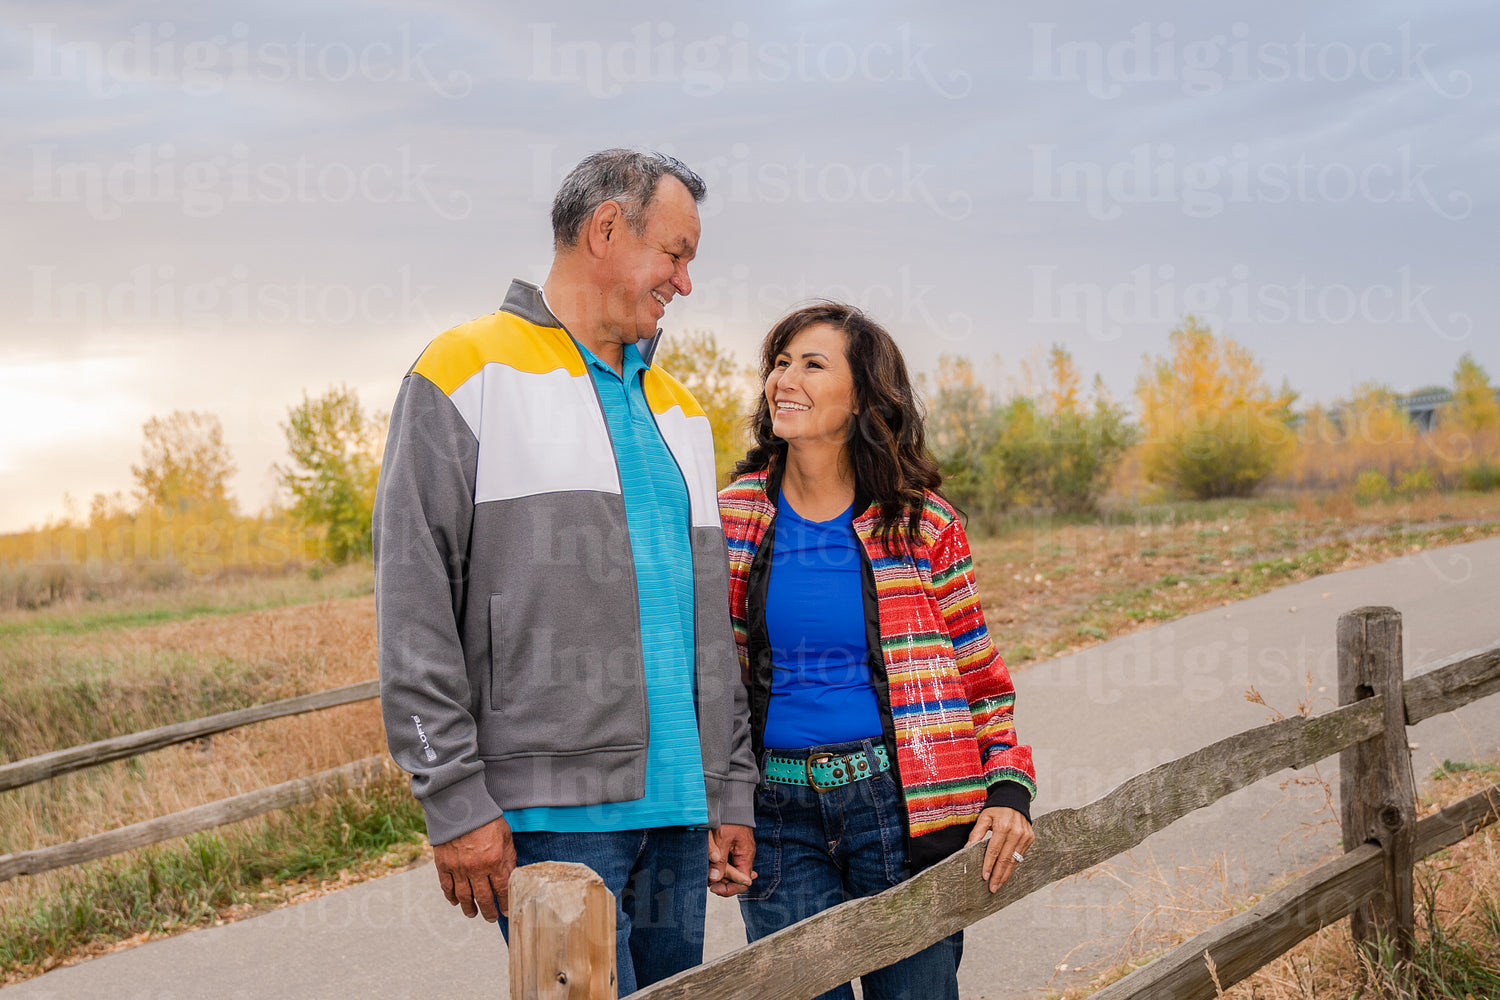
(1095,718)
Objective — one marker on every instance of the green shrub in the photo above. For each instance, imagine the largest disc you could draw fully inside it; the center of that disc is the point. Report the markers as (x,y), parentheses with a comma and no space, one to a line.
(1046,449)
(1418,482)
(1480,478)
(1061,460)
(1371,485)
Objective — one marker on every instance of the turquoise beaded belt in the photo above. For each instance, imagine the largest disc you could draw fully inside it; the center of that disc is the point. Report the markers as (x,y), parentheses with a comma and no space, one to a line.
(825,770)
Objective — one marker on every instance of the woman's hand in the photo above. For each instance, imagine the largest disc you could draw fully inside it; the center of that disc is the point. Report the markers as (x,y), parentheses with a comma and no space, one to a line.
(1010,834)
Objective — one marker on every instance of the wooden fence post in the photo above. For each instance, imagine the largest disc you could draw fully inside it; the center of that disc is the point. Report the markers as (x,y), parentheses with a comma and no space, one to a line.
(1376,788)
(562,934)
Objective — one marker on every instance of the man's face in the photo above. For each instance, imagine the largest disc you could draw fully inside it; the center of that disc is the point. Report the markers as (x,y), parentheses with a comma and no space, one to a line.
(647,271)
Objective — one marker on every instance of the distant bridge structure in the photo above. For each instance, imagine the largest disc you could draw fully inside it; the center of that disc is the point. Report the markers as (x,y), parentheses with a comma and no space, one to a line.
(1422,407)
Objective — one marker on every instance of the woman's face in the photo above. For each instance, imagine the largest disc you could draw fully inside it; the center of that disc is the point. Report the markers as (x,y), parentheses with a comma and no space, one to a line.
(810,389)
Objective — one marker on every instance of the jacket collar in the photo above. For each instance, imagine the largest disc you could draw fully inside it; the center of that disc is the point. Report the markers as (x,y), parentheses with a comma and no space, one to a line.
(525,300)
(768,485)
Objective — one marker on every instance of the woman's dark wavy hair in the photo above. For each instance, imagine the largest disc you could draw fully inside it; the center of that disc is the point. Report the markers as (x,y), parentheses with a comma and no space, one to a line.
(887,445)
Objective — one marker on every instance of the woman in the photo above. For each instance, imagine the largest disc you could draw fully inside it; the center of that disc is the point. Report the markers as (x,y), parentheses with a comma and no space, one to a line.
(880,711)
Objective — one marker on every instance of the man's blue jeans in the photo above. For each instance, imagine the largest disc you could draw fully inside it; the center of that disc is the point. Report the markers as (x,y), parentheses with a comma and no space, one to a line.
(815,849)
(660,881)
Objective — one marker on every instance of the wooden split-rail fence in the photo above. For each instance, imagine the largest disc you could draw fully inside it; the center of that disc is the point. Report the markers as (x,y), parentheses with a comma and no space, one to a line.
(562,917)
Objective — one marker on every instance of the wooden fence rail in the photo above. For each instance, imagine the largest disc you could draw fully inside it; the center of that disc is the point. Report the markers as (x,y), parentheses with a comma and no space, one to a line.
(204,817)
(213,814)
(49,765)
(856,937)
(1245,942)
(851,939)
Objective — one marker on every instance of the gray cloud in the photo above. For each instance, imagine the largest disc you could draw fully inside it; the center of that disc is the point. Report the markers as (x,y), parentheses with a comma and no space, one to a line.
(307,194)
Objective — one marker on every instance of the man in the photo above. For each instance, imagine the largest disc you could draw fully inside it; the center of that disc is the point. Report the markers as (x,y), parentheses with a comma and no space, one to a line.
(558,671)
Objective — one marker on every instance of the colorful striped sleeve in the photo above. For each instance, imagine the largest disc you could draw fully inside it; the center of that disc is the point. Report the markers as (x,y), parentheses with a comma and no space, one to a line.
(987,682)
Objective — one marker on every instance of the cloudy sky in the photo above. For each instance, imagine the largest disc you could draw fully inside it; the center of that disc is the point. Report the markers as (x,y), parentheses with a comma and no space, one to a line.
(218,206)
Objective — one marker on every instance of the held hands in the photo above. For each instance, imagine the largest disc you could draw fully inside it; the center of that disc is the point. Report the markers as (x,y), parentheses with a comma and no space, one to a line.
(1010,834)
(731,859)
(474,869)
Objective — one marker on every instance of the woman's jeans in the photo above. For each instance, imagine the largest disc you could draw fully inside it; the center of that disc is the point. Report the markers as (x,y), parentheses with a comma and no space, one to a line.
(815,849)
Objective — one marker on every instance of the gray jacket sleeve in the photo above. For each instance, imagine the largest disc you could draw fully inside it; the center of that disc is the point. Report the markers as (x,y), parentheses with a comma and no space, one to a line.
(424,510)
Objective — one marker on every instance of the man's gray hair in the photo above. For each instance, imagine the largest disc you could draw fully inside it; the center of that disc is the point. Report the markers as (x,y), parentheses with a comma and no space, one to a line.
(623,175)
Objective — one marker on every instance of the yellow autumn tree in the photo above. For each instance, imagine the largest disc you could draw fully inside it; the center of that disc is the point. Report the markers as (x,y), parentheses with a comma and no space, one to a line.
(1063,383)
(1213,427)
(1320,461)
(1474,408)
(723,387)
(1378,436)
(185,464)
(1373,418)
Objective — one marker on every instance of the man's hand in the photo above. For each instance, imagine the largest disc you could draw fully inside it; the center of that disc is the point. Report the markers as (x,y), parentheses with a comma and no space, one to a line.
(731,859)
(474,869)
(1010,835)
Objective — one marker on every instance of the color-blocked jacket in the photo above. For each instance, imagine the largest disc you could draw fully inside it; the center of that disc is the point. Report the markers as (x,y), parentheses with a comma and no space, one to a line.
(946,698)
(511,667)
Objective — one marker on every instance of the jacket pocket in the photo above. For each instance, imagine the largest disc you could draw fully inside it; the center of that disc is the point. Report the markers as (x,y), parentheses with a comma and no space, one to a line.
(552,693)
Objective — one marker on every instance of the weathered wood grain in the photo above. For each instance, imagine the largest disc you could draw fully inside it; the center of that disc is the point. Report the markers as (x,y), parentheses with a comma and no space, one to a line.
(1246,942)
(1453,683)
(562,934)
(1458,821)
(853,938)
(1377,791)
(204,817)
(845,942)
(49,765)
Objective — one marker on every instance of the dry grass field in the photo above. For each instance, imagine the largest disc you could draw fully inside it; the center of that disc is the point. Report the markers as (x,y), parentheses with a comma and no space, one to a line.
(81,670)
(73,674)
(1051,587)
(1457,954)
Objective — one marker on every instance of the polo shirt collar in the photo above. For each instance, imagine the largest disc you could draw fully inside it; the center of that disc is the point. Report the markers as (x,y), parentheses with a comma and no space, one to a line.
(633,366)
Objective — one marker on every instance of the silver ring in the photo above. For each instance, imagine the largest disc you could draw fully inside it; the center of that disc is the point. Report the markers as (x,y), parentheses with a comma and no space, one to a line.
(1017,856)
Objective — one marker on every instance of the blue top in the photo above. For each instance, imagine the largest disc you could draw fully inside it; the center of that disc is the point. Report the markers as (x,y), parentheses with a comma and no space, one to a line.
(821,690)
(659,520)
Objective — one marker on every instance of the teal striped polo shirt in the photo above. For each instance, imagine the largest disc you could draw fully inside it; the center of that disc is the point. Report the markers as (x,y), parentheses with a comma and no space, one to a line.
(659,518)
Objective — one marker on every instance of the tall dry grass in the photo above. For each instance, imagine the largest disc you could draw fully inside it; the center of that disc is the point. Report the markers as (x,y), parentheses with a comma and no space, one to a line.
(1330,459)
(81,671)
(1458,922)
(117,551)
(64,688)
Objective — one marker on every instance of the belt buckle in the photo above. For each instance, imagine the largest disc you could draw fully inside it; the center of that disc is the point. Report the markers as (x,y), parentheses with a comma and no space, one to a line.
(818,758)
